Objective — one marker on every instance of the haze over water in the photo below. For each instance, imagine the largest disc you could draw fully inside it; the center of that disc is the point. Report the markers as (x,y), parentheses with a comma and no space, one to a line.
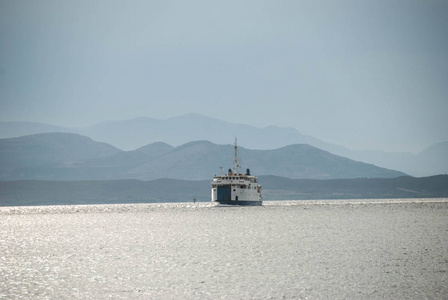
(393,249)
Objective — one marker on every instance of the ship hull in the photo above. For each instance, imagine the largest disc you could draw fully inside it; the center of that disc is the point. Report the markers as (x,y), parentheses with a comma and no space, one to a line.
(239,203)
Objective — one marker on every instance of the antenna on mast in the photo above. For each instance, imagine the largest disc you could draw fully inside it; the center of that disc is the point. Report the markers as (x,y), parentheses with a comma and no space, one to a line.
(236,158)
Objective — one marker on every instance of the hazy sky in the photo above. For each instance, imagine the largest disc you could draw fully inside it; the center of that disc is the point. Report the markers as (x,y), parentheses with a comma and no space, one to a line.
(363,74)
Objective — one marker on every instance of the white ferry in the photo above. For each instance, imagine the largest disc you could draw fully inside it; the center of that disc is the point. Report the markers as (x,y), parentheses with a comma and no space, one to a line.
(235,188)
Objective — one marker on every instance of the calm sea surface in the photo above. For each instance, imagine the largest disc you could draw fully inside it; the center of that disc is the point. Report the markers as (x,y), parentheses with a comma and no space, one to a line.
(379,249)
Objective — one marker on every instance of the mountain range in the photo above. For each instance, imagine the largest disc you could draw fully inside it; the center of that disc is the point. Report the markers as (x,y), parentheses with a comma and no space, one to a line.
(132,134)
(69,156)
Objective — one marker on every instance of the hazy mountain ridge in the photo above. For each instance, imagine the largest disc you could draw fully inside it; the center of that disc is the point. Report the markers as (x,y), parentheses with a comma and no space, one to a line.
(431,161)
(73,157)
(51,148)
(130,134)
(25,192)
(139,132)
(18,129)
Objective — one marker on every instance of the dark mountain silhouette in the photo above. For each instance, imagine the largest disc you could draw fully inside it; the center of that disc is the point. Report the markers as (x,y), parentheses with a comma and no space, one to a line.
(59,156)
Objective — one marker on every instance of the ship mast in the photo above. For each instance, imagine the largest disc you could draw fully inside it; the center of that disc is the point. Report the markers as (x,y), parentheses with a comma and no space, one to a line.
(236,159)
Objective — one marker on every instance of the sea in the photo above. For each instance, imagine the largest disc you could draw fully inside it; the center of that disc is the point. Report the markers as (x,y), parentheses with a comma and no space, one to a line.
(332,249)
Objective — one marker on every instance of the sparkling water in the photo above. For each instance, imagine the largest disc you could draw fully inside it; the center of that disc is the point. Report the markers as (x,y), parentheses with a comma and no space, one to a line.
(373,249)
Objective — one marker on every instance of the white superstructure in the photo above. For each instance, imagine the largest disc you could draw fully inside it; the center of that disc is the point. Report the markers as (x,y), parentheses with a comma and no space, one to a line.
(235,187)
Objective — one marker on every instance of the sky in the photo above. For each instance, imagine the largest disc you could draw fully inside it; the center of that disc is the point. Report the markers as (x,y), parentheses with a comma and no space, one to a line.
(361,74)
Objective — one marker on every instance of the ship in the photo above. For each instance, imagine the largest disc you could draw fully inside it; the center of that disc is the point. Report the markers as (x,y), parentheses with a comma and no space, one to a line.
(236,188)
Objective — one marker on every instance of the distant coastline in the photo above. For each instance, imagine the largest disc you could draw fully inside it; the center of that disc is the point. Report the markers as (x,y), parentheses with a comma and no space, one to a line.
(34,192)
